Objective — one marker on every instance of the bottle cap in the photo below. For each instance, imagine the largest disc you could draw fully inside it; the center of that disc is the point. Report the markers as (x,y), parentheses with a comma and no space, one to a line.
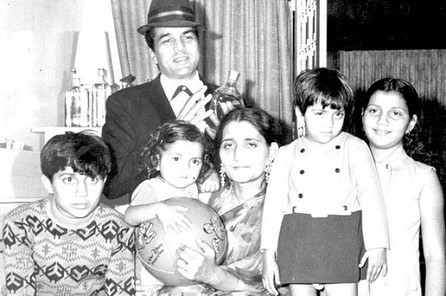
(233,75)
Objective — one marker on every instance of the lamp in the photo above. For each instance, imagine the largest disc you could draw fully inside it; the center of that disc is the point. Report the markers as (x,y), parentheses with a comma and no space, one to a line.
(92,53)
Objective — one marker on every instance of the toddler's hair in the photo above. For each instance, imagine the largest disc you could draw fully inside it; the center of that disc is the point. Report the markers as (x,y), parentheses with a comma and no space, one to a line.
(321,85)
(169,133)
(84,152)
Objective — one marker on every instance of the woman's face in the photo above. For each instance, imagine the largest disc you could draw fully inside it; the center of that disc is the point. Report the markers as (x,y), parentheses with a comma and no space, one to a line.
(386,119)
(243,152)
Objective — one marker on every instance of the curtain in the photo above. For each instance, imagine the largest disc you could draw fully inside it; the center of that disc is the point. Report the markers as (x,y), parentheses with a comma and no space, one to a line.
(249,36)
(424,69)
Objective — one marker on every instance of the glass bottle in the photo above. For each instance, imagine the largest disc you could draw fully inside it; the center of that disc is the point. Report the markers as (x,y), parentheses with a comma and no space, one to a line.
(100,91)
(226,95)
(76,103)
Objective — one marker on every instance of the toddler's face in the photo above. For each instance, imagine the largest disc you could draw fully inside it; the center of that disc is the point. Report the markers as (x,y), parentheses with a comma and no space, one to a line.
(74,195)
(181,162)
(323,124)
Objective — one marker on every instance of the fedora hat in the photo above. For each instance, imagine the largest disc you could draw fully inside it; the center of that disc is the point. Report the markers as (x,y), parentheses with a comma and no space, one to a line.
(169,13)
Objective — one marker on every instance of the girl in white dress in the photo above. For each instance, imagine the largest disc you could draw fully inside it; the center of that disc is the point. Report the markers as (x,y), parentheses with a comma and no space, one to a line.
(412,192)
(174,160)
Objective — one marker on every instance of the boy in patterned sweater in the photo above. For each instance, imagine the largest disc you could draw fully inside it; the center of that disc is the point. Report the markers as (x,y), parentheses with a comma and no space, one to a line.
(69,243)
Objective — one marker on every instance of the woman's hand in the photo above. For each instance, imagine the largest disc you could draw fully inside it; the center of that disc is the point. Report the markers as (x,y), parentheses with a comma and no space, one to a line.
(270,276)
(377,263)
(172,217)
(196,265)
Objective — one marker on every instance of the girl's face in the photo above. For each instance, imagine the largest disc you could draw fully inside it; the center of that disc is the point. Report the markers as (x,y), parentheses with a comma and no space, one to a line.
(386,119)
(75,195)
(180,164)
(243,152)
(323,124)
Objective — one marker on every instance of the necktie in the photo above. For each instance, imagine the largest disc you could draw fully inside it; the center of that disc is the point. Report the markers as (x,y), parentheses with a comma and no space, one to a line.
(180,89)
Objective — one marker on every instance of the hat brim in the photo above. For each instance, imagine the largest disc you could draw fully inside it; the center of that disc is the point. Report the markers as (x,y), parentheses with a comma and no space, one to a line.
(170,24)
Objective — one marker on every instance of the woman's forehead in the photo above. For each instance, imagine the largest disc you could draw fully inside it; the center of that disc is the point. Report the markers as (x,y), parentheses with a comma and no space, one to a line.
(240,130)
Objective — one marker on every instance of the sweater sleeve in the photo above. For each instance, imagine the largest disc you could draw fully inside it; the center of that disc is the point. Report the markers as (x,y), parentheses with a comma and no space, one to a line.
(18,258)
(374,217)
(120,277)
(276,198)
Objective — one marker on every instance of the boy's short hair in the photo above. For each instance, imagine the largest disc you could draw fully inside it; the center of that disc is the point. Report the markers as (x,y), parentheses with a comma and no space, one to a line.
(321,85)
(84,152)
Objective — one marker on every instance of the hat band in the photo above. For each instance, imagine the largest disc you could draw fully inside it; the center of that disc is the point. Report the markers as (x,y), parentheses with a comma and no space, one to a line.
(163,16)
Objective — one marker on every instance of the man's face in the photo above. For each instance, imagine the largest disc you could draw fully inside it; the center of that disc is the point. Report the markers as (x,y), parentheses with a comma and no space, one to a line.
(176,51)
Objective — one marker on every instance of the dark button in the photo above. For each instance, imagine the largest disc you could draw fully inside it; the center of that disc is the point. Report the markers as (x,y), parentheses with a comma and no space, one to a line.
(387,166)
(338,147)
(302,172)
(302,150)
(337,170)
(301,195)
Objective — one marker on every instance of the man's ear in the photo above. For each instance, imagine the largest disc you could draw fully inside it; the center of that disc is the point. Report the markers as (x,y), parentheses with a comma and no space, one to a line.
(153,56)
(273,148)
(47,183)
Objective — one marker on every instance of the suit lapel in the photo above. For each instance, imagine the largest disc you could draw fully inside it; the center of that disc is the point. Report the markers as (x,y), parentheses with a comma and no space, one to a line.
(161,102)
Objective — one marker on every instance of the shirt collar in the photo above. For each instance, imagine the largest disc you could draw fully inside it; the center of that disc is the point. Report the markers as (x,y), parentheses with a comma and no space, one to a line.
(170,85)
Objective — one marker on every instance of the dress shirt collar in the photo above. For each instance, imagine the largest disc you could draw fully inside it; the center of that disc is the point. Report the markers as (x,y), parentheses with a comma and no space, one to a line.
(170,85)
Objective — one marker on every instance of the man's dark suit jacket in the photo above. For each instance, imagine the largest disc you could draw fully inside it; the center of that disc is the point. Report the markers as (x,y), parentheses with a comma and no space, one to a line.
(132,114)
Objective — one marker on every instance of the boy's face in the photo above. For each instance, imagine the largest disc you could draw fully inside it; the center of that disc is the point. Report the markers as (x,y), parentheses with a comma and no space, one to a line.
(323,124)
(75,195)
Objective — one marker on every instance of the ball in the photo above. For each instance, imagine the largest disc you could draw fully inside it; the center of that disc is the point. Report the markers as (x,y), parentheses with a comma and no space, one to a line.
(157,249)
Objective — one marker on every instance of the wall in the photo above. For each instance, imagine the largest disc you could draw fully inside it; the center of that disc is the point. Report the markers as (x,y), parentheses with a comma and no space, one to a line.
(36,54)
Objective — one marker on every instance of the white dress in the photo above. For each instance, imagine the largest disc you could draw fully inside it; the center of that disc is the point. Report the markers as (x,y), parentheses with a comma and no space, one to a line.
(402,181)
(150,191)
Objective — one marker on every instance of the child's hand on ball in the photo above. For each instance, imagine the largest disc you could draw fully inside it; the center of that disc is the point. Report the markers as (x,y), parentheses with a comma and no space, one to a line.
(171,216)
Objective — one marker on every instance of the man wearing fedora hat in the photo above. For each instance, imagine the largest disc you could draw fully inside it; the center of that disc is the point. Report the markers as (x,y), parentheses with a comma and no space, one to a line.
(178,92)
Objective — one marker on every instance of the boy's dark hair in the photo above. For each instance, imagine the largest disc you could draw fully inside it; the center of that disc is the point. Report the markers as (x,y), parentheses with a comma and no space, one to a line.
(84,152)
(327,86)
(150,37)
(169,133)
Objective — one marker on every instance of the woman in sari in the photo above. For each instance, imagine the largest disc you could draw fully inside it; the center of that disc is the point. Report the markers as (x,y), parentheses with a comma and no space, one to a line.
(247,144)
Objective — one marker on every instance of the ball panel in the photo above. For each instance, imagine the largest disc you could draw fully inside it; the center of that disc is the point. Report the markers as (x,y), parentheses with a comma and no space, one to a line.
(157,249)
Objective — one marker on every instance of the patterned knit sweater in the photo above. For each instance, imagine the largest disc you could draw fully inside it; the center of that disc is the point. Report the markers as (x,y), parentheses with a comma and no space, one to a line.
(43,257)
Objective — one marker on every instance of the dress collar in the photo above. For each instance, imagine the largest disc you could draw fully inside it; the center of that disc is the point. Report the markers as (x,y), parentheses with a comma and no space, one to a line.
(394,159)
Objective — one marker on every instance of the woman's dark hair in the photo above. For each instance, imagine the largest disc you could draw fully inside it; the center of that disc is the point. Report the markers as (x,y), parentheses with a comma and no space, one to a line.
(396,85)
(150,37)
(84,152)
(264,123)
(327,86)
(169,133)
